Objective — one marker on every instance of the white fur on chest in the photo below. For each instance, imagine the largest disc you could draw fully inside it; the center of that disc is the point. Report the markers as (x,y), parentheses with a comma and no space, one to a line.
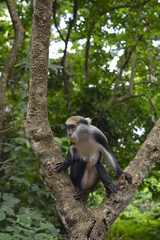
(90,176)
(88,152)
(89,155)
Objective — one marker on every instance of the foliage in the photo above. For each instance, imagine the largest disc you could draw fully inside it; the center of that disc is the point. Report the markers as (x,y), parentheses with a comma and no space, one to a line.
(27,209)
(140,220)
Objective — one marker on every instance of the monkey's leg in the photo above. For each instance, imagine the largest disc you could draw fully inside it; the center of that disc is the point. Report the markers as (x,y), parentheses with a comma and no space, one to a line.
(109,186)
(76,174)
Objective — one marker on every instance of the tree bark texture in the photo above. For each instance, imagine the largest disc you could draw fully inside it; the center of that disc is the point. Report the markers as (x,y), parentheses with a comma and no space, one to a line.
(80,223)
(18,38)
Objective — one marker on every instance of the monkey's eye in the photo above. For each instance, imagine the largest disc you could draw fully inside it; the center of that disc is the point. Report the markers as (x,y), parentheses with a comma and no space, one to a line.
(73,126)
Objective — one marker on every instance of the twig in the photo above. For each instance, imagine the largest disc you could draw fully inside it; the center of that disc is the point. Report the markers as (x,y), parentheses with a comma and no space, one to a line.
(5,162)
(130,88)
(7,129)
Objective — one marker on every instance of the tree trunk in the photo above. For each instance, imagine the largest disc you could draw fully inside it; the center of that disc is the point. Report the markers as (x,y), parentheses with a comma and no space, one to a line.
(18,38)
(80,223)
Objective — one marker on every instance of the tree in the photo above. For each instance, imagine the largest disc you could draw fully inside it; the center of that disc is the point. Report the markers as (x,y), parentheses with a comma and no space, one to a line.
(80,223)
(18,38)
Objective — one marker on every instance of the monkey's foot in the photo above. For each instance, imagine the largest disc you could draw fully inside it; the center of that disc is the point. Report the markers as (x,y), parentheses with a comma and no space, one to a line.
(78,195)
(128,177)
(110,188)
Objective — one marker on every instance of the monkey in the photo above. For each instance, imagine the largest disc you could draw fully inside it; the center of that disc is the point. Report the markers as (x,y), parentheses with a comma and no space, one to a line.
(84,157)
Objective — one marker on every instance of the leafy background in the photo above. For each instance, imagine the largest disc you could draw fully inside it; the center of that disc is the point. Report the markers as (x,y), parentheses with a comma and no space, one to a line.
(27,209)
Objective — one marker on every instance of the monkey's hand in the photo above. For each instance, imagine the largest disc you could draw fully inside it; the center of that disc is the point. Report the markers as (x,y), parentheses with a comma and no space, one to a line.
(128,177)
(79,194)
(61,166)
(110,188)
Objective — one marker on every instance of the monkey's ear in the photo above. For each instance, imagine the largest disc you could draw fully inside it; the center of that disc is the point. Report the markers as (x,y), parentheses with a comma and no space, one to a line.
(89,120)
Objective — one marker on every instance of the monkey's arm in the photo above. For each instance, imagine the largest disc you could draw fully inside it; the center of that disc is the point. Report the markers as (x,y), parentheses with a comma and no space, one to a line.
(109,186)
(108,155)
(66,164)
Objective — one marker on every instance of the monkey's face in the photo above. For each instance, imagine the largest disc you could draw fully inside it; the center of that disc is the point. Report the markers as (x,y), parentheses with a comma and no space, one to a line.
(78,133)
(71,132)
(78,130)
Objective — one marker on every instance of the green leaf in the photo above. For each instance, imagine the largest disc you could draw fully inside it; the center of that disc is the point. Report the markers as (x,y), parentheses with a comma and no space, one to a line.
(10,229)
(7,196)
(5,236)
(2,215)
(20,140)
(9,200)
(8,210)
(59,141)
(28,144)
(36,215)
(20,180)
(24,219)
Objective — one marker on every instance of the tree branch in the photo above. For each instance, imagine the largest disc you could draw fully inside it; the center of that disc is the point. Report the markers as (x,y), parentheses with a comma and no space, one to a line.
(130,88)
(143,82)
(65,40)
(152,106)
(71,24)
(55,21)
(130,96)
(64,76)
(18,38)
(133,63)
(152,69)
(87,46)
(123,99)
(124,64)
(129,92)
(123,5)
(139,168)
(37,127)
